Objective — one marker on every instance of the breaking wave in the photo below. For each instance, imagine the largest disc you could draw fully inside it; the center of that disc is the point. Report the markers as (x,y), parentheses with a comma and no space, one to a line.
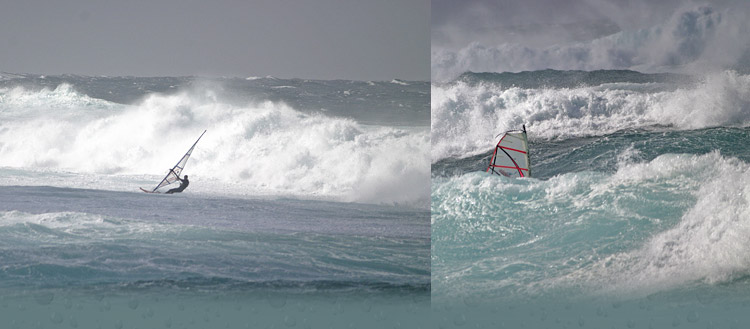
(675,221)
(695,39)
(259,147)
(466,115)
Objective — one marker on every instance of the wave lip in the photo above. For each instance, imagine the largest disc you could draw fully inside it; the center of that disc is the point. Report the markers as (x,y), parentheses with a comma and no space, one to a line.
(696,38)
(24,101)
(676,221)
(466,116)
(556,79)
(251,148)
(706,246)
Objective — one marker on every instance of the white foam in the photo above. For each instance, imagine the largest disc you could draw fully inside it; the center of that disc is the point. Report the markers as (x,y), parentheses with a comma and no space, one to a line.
(62,226)
(20,100)
(695,39)
(467,117)
(674,221)
(260,148)
(708,245)
(710,242)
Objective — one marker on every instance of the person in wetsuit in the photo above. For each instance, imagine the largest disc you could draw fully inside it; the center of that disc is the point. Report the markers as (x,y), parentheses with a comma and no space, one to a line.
(183,185)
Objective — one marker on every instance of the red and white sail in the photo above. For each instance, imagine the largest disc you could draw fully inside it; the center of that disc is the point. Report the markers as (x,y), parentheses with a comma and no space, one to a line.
(511,157)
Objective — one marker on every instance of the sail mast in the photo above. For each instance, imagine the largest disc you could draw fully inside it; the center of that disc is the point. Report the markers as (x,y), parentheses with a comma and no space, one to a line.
(173,174)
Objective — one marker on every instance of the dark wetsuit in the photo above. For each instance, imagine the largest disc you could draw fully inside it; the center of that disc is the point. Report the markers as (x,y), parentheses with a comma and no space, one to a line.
(183,185)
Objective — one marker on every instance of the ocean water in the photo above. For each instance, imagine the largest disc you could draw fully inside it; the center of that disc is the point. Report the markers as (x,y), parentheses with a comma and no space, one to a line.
(638,214)
(308,205)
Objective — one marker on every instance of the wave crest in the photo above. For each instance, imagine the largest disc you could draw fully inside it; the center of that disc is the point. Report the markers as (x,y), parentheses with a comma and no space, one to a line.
(466,116)
(674,221)
(693,39)
(252,148)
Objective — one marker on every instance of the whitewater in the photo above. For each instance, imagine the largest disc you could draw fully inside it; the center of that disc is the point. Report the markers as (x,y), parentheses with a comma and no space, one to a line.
(637,215)
(259,147)
(307,199)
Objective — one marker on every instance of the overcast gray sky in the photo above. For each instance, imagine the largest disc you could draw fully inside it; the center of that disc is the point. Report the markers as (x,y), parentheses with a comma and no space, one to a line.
(690,36)
(320,39)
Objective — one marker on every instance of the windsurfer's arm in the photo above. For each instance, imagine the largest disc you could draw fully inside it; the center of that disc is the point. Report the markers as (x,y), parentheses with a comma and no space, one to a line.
(176,175)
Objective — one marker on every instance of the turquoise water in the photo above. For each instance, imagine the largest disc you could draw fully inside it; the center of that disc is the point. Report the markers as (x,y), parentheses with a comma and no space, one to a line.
(90,259)
(634,218)
(637,214)
(307,206)
(169,308)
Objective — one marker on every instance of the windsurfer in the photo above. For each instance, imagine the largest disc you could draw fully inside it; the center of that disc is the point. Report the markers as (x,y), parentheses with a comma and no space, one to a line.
(183,184)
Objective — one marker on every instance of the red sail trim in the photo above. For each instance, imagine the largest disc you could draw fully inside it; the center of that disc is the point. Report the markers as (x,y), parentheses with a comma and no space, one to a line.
(509,167)
(494,154)
(517,167)
(492,160)
(513,165)
(508,148)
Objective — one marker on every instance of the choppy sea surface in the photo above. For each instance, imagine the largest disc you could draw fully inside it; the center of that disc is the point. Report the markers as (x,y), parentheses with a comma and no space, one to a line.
(307,205)
(638,214)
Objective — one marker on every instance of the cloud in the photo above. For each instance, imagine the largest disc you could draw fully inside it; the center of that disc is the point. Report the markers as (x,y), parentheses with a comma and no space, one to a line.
(694,38)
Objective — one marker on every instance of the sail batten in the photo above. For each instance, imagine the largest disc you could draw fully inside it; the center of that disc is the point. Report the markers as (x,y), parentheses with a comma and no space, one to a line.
(511,156)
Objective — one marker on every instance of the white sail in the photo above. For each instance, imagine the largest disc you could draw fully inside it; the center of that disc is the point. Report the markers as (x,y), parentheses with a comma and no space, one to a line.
(177,169)
(511,157)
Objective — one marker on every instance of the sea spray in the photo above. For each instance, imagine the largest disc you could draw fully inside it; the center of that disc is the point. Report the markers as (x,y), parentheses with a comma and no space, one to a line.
(306,208)
(252,148)
(467,115)
(635,214)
